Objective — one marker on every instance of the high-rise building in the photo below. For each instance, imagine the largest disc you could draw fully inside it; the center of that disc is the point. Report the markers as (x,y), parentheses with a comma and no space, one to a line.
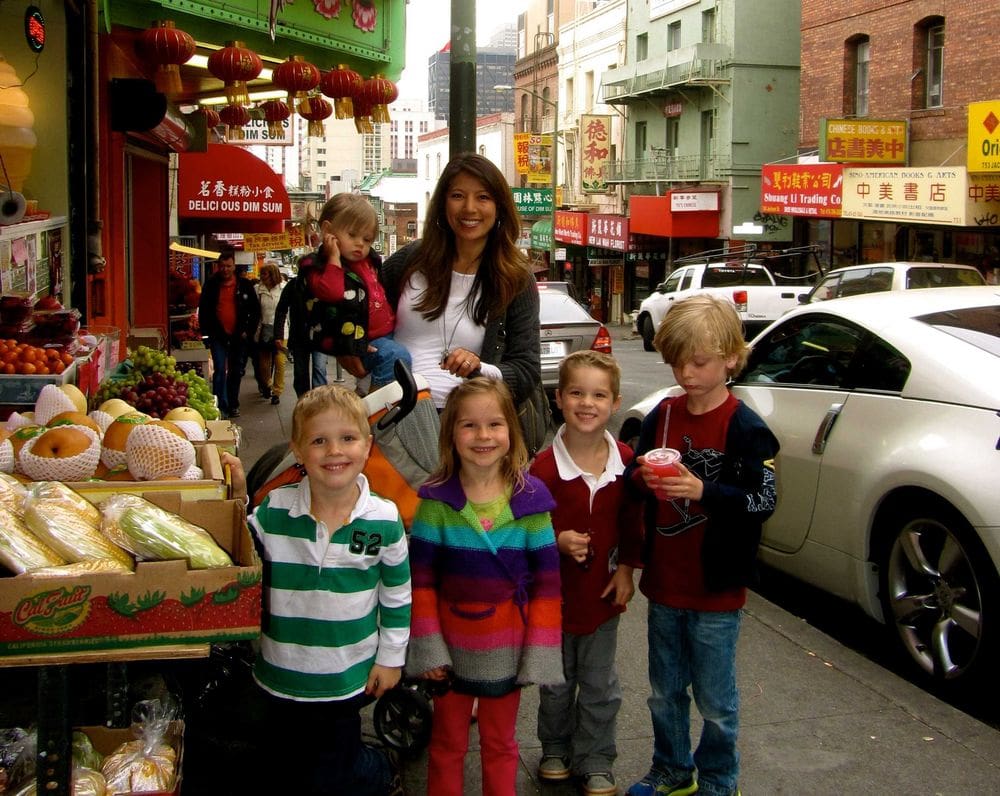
(494,67)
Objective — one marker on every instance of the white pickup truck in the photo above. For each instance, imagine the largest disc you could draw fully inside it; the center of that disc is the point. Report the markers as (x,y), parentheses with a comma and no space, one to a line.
(751,287)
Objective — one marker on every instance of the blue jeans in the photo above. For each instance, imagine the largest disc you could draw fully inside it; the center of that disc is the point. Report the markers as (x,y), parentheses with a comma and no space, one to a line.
(696,649)
(308,370)
(227,371)
(379,363)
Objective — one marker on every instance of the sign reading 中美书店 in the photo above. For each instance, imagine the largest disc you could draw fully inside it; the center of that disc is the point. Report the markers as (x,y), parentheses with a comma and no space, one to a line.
(932,195)
(868,141)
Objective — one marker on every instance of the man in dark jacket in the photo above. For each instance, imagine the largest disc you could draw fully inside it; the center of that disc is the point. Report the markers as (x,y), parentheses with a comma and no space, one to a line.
(229,313)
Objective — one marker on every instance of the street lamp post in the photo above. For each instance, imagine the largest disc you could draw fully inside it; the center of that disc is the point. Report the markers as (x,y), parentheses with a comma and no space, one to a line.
(553,177)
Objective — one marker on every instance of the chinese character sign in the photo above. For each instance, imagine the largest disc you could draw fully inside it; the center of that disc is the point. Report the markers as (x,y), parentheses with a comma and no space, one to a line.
(934,195)
(532,201)
(522,141)
(595,152)
(802,189)
(863,141)
(984,137)
(540,160)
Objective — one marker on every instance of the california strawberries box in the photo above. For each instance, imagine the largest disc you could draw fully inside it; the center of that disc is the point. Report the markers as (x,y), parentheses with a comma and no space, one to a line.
(162,602)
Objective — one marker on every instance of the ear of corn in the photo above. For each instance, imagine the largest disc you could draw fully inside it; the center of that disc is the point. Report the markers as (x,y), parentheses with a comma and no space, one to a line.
(20,549)
(69,524)
(154,533)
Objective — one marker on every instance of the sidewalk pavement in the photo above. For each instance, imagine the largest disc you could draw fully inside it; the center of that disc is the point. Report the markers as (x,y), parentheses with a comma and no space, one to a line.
(816,717)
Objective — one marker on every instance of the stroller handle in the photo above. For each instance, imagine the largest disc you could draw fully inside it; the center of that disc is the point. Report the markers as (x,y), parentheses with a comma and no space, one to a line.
(404,405)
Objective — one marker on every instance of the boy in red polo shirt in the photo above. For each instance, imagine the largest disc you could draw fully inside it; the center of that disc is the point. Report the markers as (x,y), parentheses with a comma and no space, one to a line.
(598,539)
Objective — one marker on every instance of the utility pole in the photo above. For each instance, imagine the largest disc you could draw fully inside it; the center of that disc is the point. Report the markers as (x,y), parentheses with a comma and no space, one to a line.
(462,82)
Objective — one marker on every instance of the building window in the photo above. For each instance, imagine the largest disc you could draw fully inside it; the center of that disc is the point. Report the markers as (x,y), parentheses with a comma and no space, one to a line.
(640,140)
(550,16)
(423,127)
(588,92)
(934,64)
(708,25)
(642,47)
(522,37)
(673,136)
(673,36)
(858,58)
(546,101)
(569,94)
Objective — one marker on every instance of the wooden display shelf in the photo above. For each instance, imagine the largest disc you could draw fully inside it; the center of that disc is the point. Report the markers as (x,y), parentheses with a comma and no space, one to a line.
(147,653)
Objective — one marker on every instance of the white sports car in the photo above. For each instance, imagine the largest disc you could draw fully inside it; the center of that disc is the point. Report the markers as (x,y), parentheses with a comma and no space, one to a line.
(887,408)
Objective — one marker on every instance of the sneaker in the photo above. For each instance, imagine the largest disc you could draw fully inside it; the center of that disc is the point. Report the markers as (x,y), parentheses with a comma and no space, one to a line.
(599,783)
(554,768)
(234,412)
(396,787)
(275,400)
(656,783)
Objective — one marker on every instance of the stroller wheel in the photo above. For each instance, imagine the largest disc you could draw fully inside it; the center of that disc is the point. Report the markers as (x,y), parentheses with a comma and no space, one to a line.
(402,720)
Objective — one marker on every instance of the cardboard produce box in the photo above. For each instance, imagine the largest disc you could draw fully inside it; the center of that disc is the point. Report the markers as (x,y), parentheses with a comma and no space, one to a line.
(162,602)
(107,740)
(223,433)
(211,486)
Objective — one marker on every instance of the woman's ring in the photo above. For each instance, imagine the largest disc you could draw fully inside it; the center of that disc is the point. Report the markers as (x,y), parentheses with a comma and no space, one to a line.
(466,363)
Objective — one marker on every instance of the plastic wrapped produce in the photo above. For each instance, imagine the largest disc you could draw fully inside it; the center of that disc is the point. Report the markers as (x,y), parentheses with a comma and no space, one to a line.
(85,782)
(20,549)
(69,524)
(12,493)
(84,753)
(92,566)
(148,763)
(152,533)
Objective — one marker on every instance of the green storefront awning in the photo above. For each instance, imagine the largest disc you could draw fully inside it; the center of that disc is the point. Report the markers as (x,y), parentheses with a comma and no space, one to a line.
(541,235)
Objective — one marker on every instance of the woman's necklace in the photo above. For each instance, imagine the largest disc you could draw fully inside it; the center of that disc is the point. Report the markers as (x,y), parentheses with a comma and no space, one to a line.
(447,340)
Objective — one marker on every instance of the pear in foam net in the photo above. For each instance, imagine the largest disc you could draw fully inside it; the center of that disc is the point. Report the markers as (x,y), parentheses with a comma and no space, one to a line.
(154,452)
(63,453)
(116,437)
(51,401)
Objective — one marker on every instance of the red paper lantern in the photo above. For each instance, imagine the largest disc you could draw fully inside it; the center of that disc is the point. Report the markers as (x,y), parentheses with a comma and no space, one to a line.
(275,112)
(166,48)
(363,115)
(234,65)
(342,85)
(298,77)
(211,117)
(318,110)
(379,91)
(234,117)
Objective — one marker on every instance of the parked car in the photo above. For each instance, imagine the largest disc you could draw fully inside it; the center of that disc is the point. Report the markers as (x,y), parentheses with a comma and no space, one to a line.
(565,327)
(740,276)
(854,280)
(886,407)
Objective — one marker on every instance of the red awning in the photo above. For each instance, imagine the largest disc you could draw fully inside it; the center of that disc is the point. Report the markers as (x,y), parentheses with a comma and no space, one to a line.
(652,215)
(228,189)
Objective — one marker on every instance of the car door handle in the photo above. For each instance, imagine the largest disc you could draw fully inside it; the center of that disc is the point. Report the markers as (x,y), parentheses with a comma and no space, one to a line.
(825,427)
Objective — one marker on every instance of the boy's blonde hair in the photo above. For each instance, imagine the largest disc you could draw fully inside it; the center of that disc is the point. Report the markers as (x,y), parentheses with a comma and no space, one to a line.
(702,324)
(324,398)
(349,211)
(514,463)
(592,359)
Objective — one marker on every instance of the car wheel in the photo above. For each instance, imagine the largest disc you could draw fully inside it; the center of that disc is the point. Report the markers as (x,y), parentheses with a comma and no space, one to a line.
(939,591)
(648,332)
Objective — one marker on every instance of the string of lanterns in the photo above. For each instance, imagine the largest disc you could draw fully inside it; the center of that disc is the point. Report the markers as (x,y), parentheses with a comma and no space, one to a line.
(165,47)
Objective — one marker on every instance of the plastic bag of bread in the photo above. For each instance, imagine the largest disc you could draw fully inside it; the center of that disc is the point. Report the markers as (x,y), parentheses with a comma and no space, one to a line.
(148,763)
(152,533)
(69,524)
(20,549)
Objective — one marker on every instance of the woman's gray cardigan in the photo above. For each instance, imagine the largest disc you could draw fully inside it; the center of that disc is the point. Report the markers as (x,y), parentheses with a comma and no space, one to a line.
(511,342)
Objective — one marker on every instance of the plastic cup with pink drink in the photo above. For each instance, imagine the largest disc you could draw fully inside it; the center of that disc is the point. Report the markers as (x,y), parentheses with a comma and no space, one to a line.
(663,462)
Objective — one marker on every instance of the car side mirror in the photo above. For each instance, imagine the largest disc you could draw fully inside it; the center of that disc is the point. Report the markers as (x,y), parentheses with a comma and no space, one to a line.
(804,297)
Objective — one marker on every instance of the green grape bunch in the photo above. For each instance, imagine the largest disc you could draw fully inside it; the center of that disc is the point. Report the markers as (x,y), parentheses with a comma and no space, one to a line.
(138,370)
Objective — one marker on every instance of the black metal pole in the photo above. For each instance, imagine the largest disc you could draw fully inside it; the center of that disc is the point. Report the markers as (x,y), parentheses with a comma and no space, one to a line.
(462,101)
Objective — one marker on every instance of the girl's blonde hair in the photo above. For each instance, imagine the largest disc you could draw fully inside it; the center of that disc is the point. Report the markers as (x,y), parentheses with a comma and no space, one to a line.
(503,270)
(514,464)
(702,324)
(349,211)
(270,275)
(324,398)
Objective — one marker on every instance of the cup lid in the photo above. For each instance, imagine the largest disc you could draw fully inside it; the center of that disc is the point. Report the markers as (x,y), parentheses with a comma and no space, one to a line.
(663,456)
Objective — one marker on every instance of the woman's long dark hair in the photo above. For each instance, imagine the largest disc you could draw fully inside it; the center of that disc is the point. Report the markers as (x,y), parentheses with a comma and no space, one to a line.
(503,270)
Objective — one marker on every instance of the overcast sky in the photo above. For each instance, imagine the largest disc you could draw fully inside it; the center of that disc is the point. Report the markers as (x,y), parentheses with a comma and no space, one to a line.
(428,29)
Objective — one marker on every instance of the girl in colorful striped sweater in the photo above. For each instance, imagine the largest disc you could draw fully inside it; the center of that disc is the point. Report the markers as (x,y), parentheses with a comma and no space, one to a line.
(486,598)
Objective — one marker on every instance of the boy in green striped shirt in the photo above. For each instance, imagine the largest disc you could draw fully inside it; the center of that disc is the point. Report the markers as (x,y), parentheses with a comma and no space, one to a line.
(336,605)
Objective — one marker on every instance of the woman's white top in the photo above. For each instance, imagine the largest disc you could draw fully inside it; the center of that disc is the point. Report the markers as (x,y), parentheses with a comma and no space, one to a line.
(268,304)
(428,340)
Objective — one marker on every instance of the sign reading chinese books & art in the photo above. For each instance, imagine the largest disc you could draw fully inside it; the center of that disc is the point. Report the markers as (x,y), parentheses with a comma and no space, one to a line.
(802,189)
(595,152)
(869,141)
